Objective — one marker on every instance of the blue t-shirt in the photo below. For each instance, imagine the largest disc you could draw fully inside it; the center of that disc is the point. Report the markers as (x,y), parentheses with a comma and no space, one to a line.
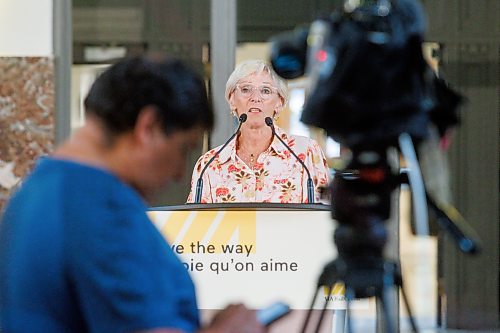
(79,254)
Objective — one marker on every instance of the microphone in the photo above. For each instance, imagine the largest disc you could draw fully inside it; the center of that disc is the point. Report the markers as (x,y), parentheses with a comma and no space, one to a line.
(199,183)
(310,187)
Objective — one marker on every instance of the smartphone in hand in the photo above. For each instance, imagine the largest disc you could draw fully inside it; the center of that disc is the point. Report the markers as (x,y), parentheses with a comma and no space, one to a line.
(270,314)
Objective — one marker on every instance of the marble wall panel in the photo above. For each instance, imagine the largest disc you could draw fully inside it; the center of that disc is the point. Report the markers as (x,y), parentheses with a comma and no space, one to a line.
(27,117)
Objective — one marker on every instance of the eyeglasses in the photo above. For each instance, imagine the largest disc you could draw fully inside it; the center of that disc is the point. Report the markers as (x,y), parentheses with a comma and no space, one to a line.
(247,90)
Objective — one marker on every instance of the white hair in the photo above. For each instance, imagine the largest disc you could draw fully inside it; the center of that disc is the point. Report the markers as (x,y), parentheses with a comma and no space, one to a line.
(250,67)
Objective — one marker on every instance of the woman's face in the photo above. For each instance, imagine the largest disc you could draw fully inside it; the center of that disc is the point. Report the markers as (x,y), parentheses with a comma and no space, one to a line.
(257,96)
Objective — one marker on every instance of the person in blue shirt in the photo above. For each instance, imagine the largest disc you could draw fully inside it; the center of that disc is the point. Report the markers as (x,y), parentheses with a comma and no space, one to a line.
(77,250)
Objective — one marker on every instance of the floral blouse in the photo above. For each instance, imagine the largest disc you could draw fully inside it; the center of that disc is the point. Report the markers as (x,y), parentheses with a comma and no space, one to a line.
(277,176)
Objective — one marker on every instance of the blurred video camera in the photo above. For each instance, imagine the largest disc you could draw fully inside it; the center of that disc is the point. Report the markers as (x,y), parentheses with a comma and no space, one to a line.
(371,89)
(368,79)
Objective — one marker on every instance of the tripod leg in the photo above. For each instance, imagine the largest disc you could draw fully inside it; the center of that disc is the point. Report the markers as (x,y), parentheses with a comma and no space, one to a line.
(349,295)
(309,312)
(408,309)
(339,321)
(389,321)
(325,305)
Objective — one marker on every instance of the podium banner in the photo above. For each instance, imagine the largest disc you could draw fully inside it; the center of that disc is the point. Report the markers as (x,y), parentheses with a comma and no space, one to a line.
(253,256)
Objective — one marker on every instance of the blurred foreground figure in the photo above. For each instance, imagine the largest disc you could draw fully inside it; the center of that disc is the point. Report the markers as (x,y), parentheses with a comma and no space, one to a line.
(77,250)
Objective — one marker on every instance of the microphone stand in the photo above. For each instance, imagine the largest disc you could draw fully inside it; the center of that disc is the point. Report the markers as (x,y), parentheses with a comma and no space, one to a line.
(310,187)
(199,183)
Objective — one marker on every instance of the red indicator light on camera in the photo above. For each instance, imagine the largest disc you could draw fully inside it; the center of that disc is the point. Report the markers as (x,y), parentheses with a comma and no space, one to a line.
(321,56)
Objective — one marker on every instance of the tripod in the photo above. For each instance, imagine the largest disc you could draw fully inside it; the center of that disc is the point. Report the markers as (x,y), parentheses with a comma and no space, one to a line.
(367,277)
(361,201)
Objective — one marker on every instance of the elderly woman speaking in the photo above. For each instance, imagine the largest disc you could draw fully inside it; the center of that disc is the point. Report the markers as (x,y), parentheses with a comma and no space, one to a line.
(257,166)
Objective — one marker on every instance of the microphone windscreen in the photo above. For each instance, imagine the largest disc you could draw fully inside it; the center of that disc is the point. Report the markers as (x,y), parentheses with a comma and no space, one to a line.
(243,117)
(269,121)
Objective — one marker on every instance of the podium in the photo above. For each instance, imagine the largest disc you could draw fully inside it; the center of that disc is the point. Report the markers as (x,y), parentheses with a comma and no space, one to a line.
(250,252)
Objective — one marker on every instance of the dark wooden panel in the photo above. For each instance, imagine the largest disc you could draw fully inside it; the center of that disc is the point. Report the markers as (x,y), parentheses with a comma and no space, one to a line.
(260,20)
(468,31)
(472,283)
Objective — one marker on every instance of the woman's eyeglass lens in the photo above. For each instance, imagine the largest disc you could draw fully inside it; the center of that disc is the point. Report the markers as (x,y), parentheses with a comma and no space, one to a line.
(265,92)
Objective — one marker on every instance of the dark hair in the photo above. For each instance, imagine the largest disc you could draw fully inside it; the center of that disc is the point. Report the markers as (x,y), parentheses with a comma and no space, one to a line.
(177,93)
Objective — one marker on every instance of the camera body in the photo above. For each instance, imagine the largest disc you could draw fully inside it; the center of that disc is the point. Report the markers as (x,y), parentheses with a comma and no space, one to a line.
(366,71)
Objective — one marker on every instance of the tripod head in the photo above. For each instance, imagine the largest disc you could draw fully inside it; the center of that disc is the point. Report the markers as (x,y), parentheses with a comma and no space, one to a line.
(361,202)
